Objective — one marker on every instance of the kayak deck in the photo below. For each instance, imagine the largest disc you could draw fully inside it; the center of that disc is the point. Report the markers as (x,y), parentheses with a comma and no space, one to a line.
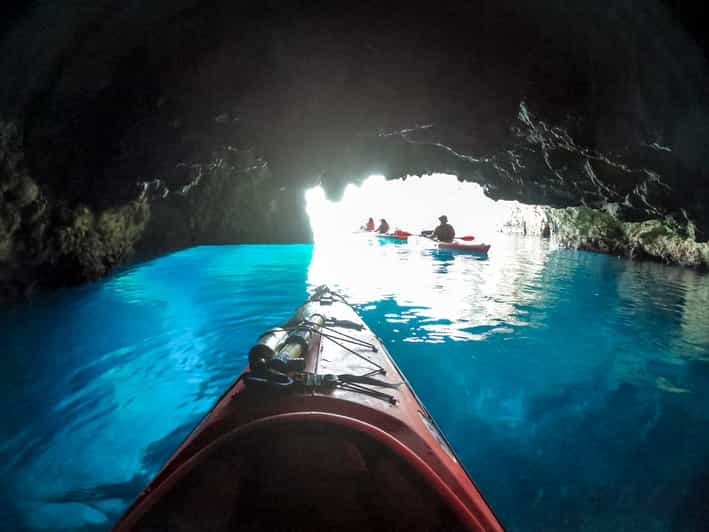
(295,455)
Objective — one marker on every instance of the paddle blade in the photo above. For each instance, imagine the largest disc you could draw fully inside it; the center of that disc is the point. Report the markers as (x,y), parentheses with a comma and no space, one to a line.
(467,238)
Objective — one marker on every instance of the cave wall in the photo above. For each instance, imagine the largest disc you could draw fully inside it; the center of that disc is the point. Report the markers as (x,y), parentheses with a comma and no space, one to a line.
(602,231)
(46,241)
(204,121)
(233,199)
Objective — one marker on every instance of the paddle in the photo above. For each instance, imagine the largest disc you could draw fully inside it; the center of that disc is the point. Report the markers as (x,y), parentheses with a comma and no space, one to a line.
(467,238)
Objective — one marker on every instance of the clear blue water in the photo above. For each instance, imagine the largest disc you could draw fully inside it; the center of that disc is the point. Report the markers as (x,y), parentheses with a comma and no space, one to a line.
(573,386)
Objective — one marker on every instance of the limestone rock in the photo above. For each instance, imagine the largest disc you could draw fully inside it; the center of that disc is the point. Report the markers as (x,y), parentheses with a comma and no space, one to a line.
(596,230)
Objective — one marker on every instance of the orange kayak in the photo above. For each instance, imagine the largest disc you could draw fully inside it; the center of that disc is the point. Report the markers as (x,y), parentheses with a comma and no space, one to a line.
(321,432)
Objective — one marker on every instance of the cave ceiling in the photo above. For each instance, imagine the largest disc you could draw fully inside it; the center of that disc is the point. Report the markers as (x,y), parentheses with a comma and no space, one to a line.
(556,103)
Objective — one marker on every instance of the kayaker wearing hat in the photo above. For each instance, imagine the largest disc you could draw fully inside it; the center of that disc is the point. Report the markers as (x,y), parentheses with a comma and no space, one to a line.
(444,232)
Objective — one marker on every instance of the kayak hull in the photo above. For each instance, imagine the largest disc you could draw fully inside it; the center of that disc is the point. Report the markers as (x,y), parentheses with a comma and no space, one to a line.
(464,246)
(257,424)
(387,237)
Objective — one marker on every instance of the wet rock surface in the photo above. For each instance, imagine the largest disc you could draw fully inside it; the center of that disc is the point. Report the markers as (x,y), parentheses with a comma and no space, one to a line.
(205,121)
(44,241)
(596,230)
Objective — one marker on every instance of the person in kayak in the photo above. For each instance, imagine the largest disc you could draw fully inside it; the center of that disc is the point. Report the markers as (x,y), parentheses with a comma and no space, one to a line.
(383,226)
(444,232)
(370,224)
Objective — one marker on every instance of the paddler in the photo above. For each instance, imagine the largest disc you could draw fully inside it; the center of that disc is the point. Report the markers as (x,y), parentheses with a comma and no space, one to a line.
(444,232)
(383,226)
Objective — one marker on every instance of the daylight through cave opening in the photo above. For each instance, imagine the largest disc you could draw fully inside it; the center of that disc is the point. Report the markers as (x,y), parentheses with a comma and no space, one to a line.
(414,203)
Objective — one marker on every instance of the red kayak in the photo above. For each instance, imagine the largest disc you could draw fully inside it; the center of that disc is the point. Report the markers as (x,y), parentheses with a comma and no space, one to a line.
(320,432)
(459,245)
(397,236)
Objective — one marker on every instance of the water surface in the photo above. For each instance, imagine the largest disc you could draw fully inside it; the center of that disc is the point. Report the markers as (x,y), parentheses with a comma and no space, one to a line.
(573,386)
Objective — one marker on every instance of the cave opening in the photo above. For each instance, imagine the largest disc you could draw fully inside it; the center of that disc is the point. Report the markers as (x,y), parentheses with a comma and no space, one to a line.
(414,203)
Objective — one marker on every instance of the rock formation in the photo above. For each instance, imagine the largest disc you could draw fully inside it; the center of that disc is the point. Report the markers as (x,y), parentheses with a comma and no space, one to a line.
(163,124)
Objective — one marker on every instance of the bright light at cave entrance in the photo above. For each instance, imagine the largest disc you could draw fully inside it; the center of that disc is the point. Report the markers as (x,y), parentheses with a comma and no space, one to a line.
(453,289)
(412,205)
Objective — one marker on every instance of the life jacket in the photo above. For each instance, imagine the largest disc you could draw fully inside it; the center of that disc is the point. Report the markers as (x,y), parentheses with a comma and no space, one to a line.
(444,232)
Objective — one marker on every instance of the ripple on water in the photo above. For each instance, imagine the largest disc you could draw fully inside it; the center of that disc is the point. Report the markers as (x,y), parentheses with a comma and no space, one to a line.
(573,386)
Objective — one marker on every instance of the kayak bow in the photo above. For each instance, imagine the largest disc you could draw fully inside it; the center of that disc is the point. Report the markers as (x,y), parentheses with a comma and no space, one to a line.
(321,432)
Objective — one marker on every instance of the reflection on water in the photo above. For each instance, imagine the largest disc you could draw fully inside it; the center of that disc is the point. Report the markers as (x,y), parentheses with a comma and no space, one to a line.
(453,294)
(101,383)
(573,386)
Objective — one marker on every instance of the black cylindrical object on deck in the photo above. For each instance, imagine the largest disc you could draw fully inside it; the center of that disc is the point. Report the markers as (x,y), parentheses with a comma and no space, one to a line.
(291,356)
(266,348)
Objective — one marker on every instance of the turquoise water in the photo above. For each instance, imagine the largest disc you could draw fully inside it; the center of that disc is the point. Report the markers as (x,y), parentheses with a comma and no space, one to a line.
(573,386)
